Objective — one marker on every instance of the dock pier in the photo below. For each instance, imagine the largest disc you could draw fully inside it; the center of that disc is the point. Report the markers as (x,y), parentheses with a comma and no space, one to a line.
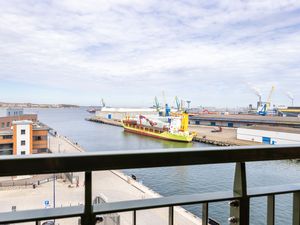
(212,142)
(105,121)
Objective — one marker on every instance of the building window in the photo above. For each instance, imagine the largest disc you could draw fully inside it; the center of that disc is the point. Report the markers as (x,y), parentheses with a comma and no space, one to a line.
(22,131)
(7,136)
(23,142)
(8,124)
(40,138)
(23,152)
(2,125)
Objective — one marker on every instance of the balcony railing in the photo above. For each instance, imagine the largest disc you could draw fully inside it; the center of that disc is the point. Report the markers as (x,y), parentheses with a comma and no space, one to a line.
(239,197)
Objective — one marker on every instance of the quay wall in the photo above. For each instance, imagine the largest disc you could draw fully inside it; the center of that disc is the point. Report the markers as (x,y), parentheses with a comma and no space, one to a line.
(61,144)
(113,122)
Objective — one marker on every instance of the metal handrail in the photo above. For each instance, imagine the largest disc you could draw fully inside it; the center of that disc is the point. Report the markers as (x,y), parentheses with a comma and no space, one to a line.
(93,161)
(89,161)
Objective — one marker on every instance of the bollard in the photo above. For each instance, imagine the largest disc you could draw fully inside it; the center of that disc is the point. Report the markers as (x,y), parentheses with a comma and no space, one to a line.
(232,220)
(234,203)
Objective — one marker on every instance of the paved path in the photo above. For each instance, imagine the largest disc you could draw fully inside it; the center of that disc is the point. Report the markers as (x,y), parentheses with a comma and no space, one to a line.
(228,135)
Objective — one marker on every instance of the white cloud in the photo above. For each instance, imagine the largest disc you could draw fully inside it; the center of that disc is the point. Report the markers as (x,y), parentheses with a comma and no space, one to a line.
(125,48)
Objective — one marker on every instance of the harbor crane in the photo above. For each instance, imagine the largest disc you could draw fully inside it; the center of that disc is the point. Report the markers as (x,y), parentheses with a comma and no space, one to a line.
(179,106)
(188,102)
(270,97)
(264,107)
(102,102)
(157,106)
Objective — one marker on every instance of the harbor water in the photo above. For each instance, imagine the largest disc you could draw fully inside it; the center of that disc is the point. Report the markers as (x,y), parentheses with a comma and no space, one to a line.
(178,180)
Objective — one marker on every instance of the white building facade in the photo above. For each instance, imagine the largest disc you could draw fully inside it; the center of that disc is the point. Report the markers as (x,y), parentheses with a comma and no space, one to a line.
(269,135)
(121,113)
(23,137)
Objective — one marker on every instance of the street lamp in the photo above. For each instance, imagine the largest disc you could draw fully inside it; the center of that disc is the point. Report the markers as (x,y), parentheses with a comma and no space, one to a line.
(54,193)
(54,190)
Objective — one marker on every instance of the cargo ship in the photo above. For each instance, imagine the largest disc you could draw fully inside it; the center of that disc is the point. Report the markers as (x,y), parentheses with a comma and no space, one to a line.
(167,128)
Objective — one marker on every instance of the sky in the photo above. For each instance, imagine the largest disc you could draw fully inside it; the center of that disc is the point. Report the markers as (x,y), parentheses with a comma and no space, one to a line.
(213,53)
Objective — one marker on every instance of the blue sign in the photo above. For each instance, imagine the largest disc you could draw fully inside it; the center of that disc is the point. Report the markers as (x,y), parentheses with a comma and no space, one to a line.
(266,140)
(46,203)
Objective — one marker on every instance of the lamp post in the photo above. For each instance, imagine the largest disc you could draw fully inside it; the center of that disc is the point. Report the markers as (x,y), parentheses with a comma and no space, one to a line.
(54,190)
(54,184)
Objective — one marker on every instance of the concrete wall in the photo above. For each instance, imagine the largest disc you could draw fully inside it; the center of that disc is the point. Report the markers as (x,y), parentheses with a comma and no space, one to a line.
(275,137)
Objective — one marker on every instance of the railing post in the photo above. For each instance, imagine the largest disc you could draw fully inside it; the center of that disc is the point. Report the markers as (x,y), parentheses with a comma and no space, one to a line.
(271,210)
(87,218)
(171,215)
(134,217)
(296,208)
(205,213)
(239,211)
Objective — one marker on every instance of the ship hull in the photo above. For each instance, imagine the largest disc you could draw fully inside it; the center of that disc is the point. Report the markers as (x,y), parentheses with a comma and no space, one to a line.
(164,135)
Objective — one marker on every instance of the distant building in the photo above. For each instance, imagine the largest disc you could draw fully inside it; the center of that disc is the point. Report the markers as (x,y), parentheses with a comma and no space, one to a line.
(243,120)
(293,111)
(4,112)
(269,134)
(22,134)
(120,113)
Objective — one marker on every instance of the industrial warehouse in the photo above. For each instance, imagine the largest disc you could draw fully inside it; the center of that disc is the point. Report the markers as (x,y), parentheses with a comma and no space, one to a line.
(269,135)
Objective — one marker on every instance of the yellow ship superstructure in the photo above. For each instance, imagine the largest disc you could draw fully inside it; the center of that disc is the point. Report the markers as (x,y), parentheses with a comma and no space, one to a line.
(167,128)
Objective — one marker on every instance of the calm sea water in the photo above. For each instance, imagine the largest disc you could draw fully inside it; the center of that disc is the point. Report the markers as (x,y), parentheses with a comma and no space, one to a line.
(183,179)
